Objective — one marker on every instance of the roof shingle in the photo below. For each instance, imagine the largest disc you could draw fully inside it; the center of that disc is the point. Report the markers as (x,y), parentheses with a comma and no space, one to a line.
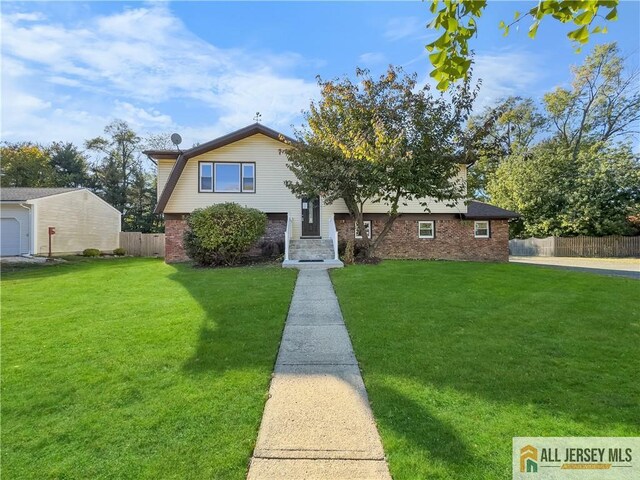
(477,209)
(21,194)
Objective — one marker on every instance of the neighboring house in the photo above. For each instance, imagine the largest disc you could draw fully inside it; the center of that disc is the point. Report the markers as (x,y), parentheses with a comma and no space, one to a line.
(80,218)
(249,167)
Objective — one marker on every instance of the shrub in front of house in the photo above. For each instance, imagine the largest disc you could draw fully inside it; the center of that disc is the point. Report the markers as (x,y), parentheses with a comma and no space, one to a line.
(91,252)
(221,234)
(271,249)
(119,252)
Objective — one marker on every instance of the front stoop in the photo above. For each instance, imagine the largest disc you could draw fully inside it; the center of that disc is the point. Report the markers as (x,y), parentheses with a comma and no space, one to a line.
(311,249)
(311,253)
(321,265)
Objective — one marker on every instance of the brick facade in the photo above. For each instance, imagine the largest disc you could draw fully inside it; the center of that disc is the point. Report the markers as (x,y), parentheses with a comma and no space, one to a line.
(176,224)
(454,238)
(174,228)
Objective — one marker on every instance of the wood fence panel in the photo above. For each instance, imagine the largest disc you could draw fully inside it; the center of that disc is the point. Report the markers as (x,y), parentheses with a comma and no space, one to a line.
(609,246)
(532,247)
(597,247)
(142,244)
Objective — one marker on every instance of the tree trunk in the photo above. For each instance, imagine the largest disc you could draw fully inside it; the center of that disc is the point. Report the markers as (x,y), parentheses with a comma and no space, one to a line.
(385,230)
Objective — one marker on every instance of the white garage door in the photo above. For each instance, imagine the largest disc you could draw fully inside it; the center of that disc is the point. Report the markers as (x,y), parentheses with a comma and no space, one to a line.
(10,241)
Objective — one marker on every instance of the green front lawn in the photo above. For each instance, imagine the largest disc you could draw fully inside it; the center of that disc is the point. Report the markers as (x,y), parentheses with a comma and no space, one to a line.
(130,368)
(458,358)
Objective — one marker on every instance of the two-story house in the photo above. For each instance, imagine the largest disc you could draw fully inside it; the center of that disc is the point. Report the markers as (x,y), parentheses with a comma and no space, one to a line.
(249,167)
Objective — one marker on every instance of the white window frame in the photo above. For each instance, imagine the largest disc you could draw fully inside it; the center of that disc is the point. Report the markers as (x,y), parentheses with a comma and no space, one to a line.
(202,164)
(367,223)
(433,228)
(475,229)
(253,175)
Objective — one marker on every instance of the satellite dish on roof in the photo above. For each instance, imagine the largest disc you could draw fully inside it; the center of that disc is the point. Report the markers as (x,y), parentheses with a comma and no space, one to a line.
(176,139)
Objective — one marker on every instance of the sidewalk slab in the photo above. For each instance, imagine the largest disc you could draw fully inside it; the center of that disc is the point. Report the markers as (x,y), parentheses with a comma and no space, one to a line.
(316,292)
(322,469)
(315,345)
(320,307)
(318,412)
(315,318)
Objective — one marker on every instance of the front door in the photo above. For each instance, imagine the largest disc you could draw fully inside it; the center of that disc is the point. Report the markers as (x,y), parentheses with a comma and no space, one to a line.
(311,217)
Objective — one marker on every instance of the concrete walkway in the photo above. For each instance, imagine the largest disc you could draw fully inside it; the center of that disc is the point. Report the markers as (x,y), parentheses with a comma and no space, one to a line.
(317,423)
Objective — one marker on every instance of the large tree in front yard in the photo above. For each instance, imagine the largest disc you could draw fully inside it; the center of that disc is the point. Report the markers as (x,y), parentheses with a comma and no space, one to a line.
(382,140)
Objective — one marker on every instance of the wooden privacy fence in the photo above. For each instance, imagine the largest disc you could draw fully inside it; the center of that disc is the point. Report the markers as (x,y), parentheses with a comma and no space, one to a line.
(142,244)
(610,246)
(532,247)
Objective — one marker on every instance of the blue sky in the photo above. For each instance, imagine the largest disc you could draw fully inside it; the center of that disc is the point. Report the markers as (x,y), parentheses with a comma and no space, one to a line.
(204,68)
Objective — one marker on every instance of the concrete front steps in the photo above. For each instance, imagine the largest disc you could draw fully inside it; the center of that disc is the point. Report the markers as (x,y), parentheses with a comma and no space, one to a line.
(311,253)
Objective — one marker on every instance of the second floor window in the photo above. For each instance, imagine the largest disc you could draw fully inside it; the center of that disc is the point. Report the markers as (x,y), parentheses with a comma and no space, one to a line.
(223,177)
(206,177)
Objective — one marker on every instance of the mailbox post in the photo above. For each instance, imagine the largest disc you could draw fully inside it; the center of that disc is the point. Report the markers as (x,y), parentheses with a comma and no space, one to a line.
(52,232)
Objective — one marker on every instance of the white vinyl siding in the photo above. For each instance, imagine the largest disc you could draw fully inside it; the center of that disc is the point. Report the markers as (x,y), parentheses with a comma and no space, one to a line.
(164,169)
(271,194)
(81,219)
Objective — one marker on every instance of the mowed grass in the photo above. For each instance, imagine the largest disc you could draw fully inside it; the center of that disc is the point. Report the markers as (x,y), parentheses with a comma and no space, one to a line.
(458,358)
(131,368)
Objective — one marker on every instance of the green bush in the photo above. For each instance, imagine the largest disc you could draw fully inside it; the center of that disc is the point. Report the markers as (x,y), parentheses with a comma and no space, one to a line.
(91,252)
(119,252)
(222,233)
(272,249)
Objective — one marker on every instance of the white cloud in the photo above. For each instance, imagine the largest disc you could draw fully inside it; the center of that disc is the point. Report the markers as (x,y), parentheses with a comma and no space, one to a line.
(504,74)
(141,118)
(402,27)
(25,17)
(372,58)
(129,65)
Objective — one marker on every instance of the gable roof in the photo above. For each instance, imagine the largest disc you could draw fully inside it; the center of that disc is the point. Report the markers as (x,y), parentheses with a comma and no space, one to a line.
(22,194)
(219,142)
(482,210)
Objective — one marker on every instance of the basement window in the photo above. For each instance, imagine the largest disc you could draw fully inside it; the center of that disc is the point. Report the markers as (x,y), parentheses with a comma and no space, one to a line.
(481,229)
(426,229)
(367,228)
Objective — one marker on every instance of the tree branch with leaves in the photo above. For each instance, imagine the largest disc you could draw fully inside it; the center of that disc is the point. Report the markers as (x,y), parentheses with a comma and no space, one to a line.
(457,20)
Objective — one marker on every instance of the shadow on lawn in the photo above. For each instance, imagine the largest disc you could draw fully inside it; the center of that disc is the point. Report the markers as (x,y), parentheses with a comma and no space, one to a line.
(67,265)
(420,428)
(244,314)
(556,341)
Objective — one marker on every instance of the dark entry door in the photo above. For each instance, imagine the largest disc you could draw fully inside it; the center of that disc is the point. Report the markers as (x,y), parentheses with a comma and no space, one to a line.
(311,217)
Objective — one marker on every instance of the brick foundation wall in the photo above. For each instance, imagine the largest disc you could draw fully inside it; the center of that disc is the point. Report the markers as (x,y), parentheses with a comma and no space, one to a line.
(453,240)
(176,224)
(174,228)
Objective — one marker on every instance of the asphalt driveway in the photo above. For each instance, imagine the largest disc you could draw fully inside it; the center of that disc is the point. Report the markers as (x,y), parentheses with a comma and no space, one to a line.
(619,267)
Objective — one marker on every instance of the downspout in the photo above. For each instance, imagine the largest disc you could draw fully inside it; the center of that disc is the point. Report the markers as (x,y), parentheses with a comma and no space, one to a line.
(32,230)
